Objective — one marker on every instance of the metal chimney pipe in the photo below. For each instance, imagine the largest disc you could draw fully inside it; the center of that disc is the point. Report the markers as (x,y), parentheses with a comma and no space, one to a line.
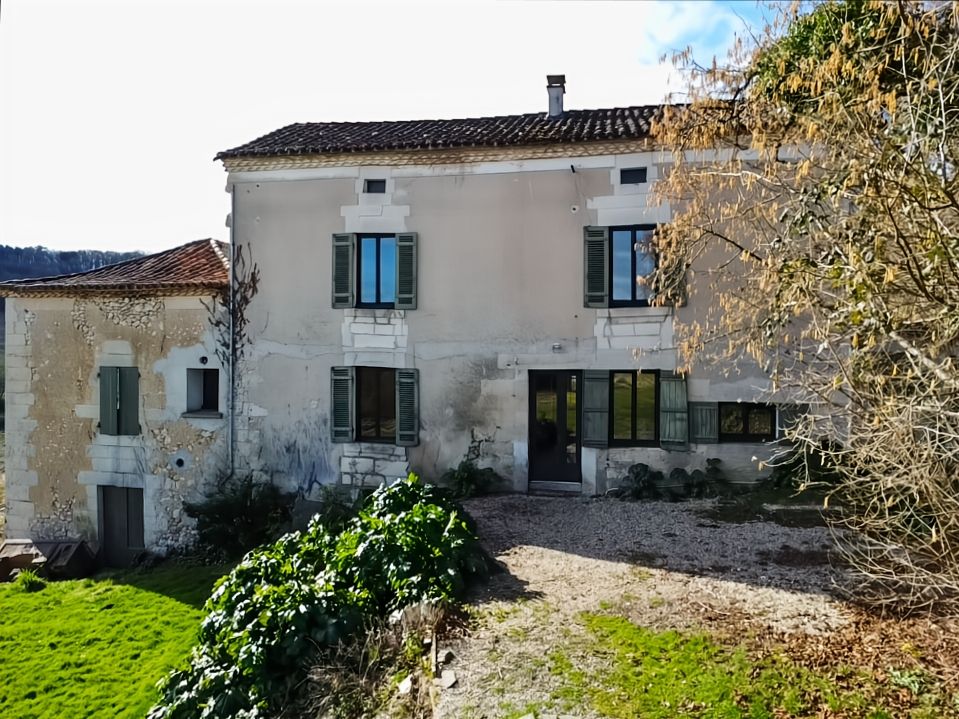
(556,87)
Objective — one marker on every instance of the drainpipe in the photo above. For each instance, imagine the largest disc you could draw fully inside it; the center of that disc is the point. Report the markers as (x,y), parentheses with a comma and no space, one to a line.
(232,351)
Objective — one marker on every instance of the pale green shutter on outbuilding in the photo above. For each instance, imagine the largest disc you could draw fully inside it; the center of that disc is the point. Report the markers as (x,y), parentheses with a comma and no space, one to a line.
(129,420)
(344,251)
(595,401)
(596,267)
(703,422)
(109,399)
(406,251)
(407,407)
(341,404)
(673,412)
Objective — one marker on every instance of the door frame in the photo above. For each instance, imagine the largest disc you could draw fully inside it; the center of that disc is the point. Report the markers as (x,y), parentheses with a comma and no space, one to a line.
(531,417)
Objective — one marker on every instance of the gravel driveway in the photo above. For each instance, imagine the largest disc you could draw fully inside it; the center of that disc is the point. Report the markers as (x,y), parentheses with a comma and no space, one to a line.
(663,565)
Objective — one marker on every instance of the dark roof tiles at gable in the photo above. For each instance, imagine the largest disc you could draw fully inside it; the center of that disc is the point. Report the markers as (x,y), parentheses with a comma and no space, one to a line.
(618,123)
(196,268)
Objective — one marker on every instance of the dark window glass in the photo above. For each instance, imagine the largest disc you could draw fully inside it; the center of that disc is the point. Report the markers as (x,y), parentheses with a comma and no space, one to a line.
(378,186)
(633,263)
(376,403)
(377,270)
(634,407)
(632,176)
(746,422)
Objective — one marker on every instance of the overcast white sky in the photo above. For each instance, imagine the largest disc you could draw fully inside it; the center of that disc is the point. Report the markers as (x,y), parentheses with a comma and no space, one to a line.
(111,112)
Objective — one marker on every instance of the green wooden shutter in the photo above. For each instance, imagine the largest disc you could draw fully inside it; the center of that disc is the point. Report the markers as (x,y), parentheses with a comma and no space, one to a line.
(109,400)
(703,422)
(344,251)
(129,420)
(407,407)
(341,404)
(596,267)
(595,402)
(673,412)
(406,270)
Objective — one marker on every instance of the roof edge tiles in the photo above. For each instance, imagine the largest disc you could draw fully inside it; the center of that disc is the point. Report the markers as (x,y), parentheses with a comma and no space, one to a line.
(532,129)
(197,268)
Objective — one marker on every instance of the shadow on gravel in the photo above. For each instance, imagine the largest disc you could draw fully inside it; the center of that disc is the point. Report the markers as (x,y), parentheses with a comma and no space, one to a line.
(740,540)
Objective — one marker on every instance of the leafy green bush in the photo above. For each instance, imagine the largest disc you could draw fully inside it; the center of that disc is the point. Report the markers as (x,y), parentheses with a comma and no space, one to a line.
(468,480)
(241,514)
(310,590)
(29,581)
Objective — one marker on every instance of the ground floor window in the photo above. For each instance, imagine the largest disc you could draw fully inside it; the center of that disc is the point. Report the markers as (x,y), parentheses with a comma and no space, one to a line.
(746,422)
(376,403)
(634,402)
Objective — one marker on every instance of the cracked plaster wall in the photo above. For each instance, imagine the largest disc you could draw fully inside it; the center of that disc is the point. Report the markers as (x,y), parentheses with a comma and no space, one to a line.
(56,456)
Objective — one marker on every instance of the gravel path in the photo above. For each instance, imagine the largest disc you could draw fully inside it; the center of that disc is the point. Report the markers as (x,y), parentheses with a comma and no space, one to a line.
(663,565)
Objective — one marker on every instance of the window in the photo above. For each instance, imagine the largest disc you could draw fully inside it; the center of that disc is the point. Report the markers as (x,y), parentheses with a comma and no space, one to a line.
(375,404)
(746,422)
(632,264)
(377,186)
(203,393)
(635,410)
(619,264)
(375,270)
(119,401)
(632,176)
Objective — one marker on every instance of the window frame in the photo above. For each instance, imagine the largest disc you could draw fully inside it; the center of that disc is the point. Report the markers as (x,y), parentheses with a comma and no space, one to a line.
(632,441)
(746,436)
(622,175)
(374,182)
(357,399)
(611,230)
(379,237)
(209,385)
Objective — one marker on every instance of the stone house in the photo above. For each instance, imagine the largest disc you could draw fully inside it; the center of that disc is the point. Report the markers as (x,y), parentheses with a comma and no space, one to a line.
(432,290)
(116,400)
(407,294)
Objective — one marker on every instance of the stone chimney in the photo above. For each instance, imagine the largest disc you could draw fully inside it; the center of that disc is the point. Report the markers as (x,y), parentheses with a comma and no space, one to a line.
(556,87)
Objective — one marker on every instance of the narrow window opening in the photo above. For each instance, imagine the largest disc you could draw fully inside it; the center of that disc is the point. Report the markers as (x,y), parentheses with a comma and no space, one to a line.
(376,402)
(377,271)
(635,407)
(374,186)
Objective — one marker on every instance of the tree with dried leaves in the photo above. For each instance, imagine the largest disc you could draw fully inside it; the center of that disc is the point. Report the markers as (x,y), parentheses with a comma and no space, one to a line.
(814,192)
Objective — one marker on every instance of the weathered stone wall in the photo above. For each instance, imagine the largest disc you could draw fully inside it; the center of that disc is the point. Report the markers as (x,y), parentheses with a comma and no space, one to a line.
(57,458)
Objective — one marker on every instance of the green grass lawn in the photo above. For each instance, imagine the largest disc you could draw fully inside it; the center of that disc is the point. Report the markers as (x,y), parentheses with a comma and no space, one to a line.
(97,647)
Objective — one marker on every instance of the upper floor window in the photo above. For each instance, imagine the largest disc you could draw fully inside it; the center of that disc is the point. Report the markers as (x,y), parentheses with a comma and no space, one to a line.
(375,270)
(632,176)
(632,264)
(119,400)
(619,266)
(203,393)
(375,186)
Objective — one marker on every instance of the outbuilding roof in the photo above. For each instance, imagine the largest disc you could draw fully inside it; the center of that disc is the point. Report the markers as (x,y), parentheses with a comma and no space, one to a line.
(196,268)
(537,128)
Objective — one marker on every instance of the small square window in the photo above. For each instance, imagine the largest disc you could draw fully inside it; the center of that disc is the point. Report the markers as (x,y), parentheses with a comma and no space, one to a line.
(632,176)
(203,393)
(377,186)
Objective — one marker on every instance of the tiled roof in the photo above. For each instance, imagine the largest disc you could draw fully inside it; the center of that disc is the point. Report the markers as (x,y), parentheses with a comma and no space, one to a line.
(309,138)
(196,268)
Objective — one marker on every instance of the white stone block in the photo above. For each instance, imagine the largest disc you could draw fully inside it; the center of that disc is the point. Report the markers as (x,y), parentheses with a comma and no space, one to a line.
(358,328)
(19,508)
(16,412)
(16,341)
(24,374)
(392,468)
(15,386)
(18,492)
(374,341)
(401,341)
(26,398)
(384,330)
(356,465)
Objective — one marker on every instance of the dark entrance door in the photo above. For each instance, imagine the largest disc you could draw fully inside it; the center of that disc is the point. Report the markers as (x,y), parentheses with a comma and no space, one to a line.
(554,450)
(121,525)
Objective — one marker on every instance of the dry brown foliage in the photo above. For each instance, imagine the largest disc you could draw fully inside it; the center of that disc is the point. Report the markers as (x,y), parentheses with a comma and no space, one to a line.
(814,190)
